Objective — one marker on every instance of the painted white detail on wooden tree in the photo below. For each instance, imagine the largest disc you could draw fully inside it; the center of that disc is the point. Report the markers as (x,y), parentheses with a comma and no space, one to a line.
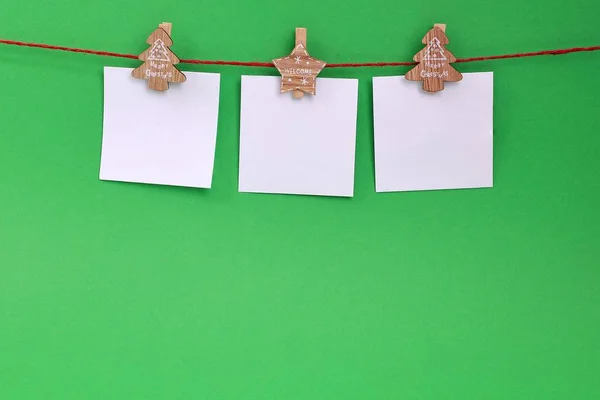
(435,51)
(159,52)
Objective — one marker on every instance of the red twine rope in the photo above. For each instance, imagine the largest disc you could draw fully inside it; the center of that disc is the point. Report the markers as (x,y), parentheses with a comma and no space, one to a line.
(269,64)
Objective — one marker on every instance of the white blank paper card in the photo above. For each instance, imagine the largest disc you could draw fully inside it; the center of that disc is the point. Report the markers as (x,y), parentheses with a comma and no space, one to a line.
(298,146)
(165,138)
(431,141)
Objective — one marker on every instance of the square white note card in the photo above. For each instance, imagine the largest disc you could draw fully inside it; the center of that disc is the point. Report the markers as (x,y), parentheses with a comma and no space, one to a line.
(165,138)
(298,146)
(429,141)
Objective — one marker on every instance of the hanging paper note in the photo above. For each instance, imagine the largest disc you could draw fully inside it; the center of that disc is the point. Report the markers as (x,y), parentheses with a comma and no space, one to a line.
(161,138)
(298,147)
(434,62)
(425,142)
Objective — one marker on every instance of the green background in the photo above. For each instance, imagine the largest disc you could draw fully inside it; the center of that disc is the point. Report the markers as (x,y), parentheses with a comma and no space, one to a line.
(125,291)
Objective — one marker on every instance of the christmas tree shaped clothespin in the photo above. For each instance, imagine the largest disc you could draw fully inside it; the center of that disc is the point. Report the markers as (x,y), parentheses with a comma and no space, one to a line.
(159,61)
(434,62)
(299,70)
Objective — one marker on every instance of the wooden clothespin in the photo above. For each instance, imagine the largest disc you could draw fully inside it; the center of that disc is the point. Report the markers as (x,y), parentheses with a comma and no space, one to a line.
(434,62)
(299,70)
(159,61)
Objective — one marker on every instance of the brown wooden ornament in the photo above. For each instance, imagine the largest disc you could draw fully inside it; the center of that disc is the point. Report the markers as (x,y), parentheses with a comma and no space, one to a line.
(434,62)
(159,61)
(299,70)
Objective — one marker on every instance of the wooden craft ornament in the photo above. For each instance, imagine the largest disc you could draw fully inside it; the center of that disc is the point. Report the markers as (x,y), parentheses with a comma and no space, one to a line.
(434,62)
(159,61)
(299,70)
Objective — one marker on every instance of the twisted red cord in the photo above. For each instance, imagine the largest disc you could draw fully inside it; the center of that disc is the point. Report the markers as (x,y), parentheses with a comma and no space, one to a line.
(269,64)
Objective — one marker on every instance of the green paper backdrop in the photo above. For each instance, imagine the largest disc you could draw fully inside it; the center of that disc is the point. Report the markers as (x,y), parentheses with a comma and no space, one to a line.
(125,291)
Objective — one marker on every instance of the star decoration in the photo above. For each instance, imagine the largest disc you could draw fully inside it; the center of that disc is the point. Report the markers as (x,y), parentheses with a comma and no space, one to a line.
(299,71)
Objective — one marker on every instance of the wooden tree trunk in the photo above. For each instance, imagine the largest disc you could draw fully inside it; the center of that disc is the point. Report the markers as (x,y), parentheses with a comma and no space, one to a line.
(157,83)
(433,85)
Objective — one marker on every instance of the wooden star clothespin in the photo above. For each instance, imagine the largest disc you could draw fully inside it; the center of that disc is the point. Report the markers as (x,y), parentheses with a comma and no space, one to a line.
(299,70)
(434,62)
(159,61)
